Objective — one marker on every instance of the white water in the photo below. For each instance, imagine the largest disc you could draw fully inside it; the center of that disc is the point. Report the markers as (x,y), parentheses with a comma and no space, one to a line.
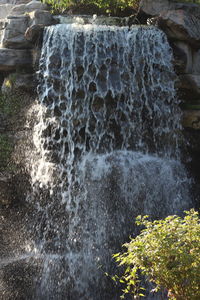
(106,149)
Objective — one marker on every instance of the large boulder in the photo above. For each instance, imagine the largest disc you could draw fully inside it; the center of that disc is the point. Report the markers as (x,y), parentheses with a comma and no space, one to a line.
(11,59)
(26,8)
(14,32)
(180,25)
(41,17)
(155,7)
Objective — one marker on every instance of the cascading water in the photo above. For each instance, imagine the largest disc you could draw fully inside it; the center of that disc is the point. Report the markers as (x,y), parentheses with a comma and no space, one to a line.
(106,150)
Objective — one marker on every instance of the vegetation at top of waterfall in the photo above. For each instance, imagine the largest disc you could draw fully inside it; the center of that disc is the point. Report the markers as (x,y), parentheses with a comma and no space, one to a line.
(111,7)
(166,253)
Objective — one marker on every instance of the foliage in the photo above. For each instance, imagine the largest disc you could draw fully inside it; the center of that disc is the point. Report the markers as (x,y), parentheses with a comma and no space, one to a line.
(108,6)
(6,148)
(166,253)
(9,102)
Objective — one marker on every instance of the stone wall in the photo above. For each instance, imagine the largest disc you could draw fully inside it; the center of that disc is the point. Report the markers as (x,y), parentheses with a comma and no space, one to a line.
(21,26)
(181,23)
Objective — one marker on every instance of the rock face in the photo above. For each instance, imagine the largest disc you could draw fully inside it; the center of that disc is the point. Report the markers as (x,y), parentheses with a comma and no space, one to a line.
(11,59)
(180,25)
(14,31)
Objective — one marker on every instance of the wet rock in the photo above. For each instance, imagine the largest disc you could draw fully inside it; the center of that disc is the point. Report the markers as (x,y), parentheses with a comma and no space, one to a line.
(182,26)
(11,59)
(13,36)
(191,119)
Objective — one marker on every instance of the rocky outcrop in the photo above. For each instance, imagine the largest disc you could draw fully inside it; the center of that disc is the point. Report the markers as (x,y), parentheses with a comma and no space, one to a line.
(14,31)
(180,25)
(21,23)
(11,59)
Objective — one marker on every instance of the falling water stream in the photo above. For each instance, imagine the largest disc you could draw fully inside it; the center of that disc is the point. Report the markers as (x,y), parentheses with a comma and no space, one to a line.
(106,148)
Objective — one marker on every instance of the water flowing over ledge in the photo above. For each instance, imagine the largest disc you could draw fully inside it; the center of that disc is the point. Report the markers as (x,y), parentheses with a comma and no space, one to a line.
(106,149)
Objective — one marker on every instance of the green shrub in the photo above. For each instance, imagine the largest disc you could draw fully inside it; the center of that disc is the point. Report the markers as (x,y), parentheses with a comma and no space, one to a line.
(108,6)
(166,253)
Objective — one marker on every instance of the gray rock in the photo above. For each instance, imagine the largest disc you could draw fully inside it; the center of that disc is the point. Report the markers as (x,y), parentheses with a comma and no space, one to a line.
(13,1)
(13,36)
(191,119)
(190,81)
(179,25)
(189,87)
(11,59)
(5,10)
(196,63)
(26,8)
(155,7)
(33,32)
(41,17)
(183,55)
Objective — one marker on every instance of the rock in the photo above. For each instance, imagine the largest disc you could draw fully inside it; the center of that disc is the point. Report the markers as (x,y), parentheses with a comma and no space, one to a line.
(5,191)
(190,82)
(155,7)
(14,32)
(179,25)
(33,32)
(11,59)
(183,57)
(41,17)
(3,24)
(26,8)
(189,8)
(189,87)
(5,10)
(196,62)
(13,1)
(19,82)
(191,119)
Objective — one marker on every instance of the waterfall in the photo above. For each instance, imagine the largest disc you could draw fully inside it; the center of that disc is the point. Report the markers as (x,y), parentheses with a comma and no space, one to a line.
(107,148)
